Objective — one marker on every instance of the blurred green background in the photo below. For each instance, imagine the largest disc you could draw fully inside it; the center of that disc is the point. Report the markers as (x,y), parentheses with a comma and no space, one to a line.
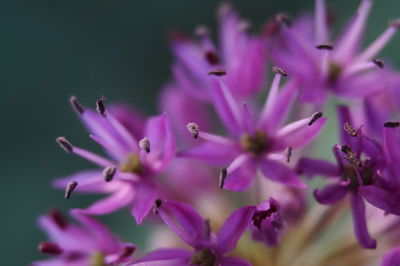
(52,49)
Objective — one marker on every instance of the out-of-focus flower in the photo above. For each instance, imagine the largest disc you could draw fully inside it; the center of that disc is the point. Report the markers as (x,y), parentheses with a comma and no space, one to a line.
(89,243)
(209,248)
(255,142)
(304,48)
(267,224)
(241,55)
(392,258)
(135,160)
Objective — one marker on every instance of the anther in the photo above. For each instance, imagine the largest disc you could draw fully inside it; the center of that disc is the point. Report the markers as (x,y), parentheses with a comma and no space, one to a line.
(395,23)
(379,63)
(350,156)
(212,58)
(283,19)
(156,206)
(127,251)
(324,47)
(50,248)
(207,227)
(315,117)
(392,124)
(58,218)
(65,144)
(289,154)
(349,129)
(109,173)
(201,31)
(76,105)
(100,108)
(70,188)
(222,176)
(144,144)
(193,129)
(217,72)
(280,71)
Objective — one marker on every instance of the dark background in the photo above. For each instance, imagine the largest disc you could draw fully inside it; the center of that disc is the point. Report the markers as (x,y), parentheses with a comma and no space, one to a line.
(51,50)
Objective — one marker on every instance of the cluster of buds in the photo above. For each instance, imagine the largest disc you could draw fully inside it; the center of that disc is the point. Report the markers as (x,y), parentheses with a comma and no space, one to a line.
(230,173)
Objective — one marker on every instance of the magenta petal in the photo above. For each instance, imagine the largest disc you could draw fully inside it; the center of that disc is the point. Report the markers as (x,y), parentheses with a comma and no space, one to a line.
(312,167)
(212,153)
(184,220)
(129,118)
(360,223)
(242,177)
(279,172)
(165,257)
(231,261)
(330,194)
(384,200)
(162,142)
(144,200)
(233,228)
(90,181)
(115,201)
(392,258)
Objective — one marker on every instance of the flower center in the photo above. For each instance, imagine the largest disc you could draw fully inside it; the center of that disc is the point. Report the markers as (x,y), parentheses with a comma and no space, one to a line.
(97,259)
(367,176)
(334,71)
(132,164)
(203,257)
(255,144)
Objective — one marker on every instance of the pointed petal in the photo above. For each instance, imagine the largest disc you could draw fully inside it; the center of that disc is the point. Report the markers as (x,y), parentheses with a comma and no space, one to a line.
(233,228)
(279,172)
(146,195)
(312,167)
(360,223)
(184,220)
(241,178)
(165,257)
(392,258)
(330,194)
(382,199)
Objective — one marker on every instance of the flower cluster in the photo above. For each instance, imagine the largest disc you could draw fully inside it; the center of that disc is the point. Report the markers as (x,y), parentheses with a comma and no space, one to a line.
(227,166)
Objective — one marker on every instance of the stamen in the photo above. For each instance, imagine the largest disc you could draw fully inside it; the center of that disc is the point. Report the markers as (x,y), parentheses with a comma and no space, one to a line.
(144,144)
(207,227)
(284,20)
(280,71)
(324,47)
(212,58)
(392,124)
(379,63)
(70,188)
(350,156)
(222,176)
(315,117)
(64,144)
(127,251)
(156,206)
(76,105)
(109,172)
(57,218)
(349,129)
(289,154)
(50,248)
(395,23)
(217,72)
(193,129)
(100,108)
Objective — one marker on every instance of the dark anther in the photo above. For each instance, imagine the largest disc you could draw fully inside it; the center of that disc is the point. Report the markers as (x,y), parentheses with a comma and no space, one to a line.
(315,117)
(288,154)
(379,63)
(144,144)
(127,251)
(193,129)
(207,228)
(212,58)
(324,47)
(391,124)
(100,108)
(203,257)
(58,218)
(283,19)
(217,72)
(109,172)
(280,71)
(50,248)
(222,176)
(65,144)
(395,23)
(349,129)
(70,188)
(156,206)
(76,105)
(351,156)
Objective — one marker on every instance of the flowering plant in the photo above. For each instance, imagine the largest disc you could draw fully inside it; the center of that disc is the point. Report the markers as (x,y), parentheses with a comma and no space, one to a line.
(224,176)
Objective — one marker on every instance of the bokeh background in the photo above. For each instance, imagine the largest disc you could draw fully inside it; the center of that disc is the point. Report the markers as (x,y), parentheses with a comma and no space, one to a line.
(52,49)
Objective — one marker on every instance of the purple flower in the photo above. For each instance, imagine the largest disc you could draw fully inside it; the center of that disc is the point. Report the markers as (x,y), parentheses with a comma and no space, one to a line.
(305,49)
(267,224)
(255,142)
(392,258)
(209,248)
(241,55)
(89,243)
(137,154)
(358,173)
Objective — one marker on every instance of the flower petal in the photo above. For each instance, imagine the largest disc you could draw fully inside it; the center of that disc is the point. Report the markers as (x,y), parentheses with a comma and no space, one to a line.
(392,258)
(384,200)
(165,257)
(360,223)
(146,195)
(312,167)
(279,172)
(241,178)
(233,228)
(330,194)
